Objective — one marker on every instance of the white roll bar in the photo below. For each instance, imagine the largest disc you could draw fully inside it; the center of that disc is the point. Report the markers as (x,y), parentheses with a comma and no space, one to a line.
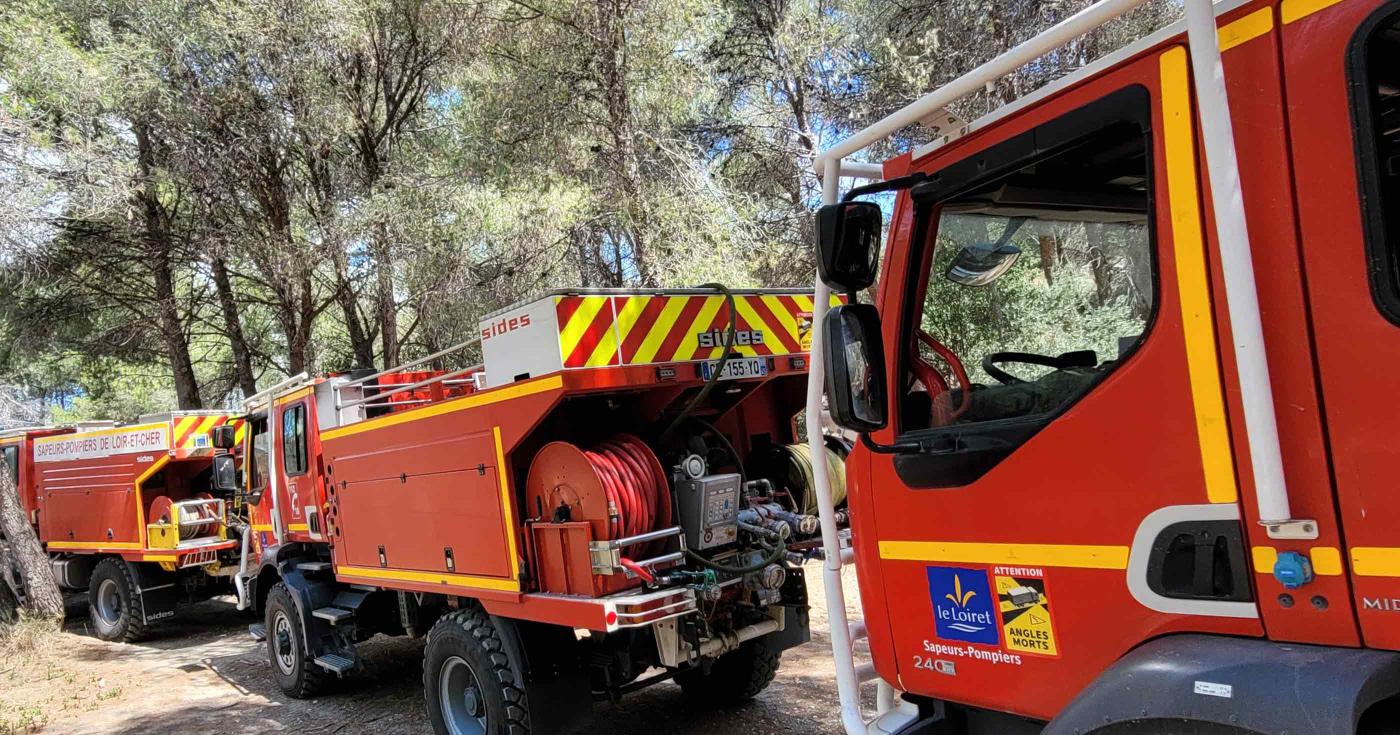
(1237,265)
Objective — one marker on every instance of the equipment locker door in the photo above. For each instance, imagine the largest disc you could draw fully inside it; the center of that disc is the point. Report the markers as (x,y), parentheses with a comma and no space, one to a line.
(1081,498)
(1342,70)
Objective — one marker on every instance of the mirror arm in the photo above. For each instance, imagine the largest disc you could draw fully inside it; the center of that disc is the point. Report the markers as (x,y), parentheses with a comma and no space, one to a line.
(897,184)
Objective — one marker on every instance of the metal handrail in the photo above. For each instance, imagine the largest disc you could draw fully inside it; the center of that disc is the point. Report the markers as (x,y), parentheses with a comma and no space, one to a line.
(264,395)
(377,400)
(401,368)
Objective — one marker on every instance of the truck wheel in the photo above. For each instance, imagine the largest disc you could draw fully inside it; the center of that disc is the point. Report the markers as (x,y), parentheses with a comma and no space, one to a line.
(296,673)
(735,677)
(112,602)
(469,679)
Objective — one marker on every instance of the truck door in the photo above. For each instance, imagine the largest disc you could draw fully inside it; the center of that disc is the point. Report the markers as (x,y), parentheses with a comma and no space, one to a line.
(297,458)
(1342,71)
(1073,492)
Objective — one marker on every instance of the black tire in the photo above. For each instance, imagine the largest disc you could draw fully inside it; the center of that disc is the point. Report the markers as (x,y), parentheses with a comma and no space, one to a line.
(294,670)
(113,606)
(735,677)
(465,658)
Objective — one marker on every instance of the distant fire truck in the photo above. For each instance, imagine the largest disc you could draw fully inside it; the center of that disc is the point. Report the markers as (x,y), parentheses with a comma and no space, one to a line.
(130,513)
(1126,391)
(623,463)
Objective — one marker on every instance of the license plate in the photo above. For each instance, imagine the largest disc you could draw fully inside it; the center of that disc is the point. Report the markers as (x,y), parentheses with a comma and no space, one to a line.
(742,367)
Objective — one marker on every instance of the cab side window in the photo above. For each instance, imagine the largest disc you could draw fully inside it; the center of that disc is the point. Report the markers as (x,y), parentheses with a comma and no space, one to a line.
(1376,67)
(261,442)
(11,456)
(1034,284)
(294,439)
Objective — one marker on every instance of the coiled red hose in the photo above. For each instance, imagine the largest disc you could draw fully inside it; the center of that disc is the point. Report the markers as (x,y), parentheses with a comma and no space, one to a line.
(635,484)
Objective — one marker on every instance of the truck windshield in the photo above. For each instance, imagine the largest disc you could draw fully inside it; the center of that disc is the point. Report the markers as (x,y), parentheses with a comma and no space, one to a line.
(11,462)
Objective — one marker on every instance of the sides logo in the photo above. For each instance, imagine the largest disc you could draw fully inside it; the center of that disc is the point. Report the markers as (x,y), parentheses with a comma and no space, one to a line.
(963,605)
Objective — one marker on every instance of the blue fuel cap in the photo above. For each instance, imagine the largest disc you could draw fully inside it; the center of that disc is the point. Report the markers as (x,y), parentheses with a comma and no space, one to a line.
(1293,570)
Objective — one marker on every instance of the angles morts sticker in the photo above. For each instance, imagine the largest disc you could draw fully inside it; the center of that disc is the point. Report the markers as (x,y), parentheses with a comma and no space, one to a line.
(963,605)
(1023,601)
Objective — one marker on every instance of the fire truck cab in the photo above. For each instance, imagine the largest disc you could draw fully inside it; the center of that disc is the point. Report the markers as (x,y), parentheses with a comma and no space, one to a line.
(613,497)
(1127,437)
(129,513)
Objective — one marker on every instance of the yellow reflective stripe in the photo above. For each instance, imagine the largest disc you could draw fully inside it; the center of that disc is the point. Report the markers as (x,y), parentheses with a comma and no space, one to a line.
(572,333)
(1375,561)
(1246,29)
(475,400)
(165,425)
(606,349)
(293,396)
(1326,561)
(665,322)
(1193,284)
(628,315)
(781,313)
(453,580)
(1292,10)
(93,545)
(1264,559)
(298,527)
(505,502)
(1039,555)
(700,323)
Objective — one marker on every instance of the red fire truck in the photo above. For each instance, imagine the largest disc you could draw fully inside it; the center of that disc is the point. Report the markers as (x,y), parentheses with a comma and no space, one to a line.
(129,513)
(1118,469)
(612,498)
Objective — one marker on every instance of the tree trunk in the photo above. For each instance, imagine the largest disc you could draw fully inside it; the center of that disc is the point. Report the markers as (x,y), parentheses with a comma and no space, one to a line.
(361,341)
(42,597)
(233,328)
(627,170)
(388,308)
(159,251)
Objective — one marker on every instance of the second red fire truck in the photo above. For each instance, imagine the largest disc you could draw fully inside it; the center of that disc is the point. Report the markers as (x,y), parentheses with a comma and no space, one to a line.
(610,500)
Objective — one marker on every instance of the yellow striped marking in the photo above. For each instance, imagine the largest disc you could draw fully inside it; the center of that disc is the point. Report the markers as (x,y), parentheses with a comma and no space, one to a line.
(12,440)
(781,313)
(665,322)
(607,346)
(1193,286)
(268,528)
(690,343)
(1294,10)
(1246,29)
(203,428)
(1040,555)
(475,400)
(572,333)
(94,545)
(183,425)
(299,527)
(1375,561)
(505,501)
(629,314)
(1264,559)
(238,434)
(452,580)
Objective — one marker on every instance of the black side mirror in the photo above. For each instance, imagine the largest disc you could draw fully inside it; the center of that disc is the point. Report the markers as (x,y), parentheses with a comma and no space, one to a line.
(855,367)
(848,244)
(225,473)
(223,436)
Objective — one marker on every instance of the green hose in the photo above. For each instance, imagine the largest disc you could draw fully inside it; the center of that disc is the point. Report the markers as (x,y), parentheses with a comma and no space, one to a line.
(800,474)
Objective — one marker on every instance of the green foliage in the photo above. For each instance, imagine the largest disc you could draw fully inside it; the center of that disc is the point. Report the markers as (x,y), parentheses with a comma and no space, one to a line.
(197,198)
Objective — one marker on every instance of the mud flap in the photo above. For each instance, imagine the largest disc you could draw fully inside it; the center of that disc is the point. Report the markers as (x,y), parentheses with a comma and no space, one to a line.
(309,595)
(553,672)
(157,591)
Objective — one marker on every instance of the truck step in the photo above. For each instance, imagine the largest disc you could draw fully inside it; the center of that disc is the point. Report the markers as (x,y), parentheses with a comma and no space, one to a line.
(258,631)
(332,615)
(314,566)
(335,662)
(349,599)
(364,587)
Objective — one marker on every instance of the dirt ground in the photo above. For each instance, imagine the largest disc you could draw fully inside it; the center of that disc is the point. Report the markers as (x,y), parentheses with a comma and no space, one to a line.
(202,673)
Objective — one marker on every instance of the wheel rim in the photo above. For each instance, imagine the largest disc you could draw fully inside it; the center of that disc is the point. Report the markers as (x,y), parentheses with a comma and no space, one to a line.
(109,602)
(283,644)
(460,698)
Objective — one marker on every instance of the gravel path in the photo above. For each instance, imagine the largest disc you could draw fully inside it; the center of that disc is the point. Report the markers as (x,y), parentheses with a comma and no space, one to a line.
(202,673)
